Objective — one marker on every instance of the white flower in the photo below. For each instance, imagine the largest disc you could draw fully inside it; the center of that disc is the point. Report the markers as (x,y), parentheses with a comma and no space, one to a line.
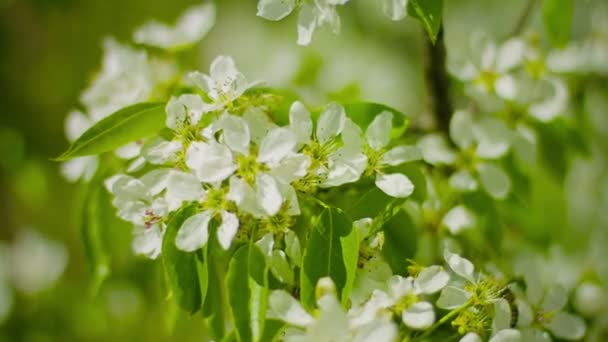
(137,200)
(544,308)
(312,14)
(148,240)
(224,83)
(184,111)
(331,323)
(194,233)
(84,168)
(490,71)
(403,296)
(458,219)
(190,27)
(336,146)
(394,9)
(378,135)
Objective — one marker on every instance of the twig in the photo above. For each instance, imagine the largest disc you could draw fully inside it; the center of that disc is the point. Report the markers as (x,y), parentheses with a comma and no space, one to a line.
(438,83)
(523,19)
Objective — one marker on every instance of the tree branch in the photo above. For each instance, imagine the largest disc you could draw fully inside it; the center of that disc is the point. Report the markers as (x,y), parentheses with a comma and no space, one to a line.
(438,83)
(523,19)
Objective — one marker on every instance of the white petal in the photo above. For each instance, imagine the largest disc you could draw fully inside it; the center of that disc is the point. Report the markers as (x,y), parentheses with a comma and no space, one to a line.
(279,143)
(266,244)
(286,308)
(212,162)
(223,69)
(400,286)
(419,316)
(259,124)
(345,168)
(506,87)
(81,167)
(176,114)
(307,23)
(351,136)
(458,219)
(182,186)
(494,180)
(401,154)
(129,188)
(291,168)
(463,180)
(567,326)
(488,56)
(461,266)
(235,133)
(452,297)
(432,279)
(550,108)
(555,298)
(268,194)
(378,133)
(510,55)
(470,337)
(379,330)
(300,121)
(395,185)
(435,150)
(461,129)
(535,335)
(195,107)
(128,151)
(502,315)
(394,9)
(159,151)
(331,122)
(227,229)
(75,124)
(194,233)
(590,299)
(494,138)
(290,196)
(155,180)
(275,9)
(507,335)
(147,241)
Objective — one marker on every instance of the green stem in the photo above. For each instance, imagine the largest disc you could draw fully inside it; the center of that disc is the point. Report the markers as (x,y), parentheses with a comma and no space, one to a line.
(446,319)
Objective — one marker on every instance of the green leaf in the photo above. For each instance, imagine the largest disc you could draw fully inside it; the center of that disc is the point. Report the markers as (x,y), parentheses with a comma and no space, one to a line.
(120,128)
(214,308)
(202,267)
(363,113)
(181,268)
(332,250)
(370,204)
(92,230)
(400,241)
(272,330)
(429,12)
(247,282)
(557,18)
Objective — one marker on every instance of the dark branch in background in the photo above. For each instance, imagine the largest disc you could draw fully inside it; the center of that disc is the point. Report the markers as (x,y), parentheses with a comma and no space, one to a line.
(523,19)
(438,82)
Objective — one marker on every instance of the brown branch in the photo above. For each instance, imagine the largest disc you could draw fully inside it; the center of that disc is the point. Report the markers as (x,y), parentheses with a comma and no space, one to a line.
(438,83)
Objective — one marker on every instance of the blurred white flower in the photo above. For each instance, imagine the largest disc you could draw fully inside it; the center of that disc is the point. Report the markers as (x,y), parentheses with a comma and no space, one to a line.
(36,262)
(189,29)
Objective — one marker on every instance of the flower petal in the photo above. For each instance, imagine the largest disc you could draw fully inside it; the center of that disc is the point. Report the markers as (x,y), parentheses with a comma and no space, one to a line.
(235,133)
(419,316)
(507,335)
(160,151)
(300,122)
(462,180)
(494,138)
(431,279)
(211,162)
(567,326)
(194,233)
(268,194)
(550,108)
(378,133)
(494,180)
(147,241)
(451,297)
(555,298)
(275,9)
(510,55)
(279,143)
(458,219)
(283,306)
(394,9)
(435,150)
(461,266)
(182,186)
(331,122)
(401,154)
(506,87)
(227,229)
(395,185)
(461,129)
(307,23)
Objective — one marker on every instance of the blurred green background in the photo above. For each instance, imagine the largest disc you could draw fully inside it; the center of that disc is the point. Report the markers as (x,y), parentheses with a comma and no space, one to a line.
(50,50)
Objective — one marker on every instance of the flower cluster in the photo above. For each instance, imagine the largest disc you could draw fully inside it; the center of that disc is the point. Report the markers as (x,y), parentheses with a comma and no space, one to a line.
(245,171)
